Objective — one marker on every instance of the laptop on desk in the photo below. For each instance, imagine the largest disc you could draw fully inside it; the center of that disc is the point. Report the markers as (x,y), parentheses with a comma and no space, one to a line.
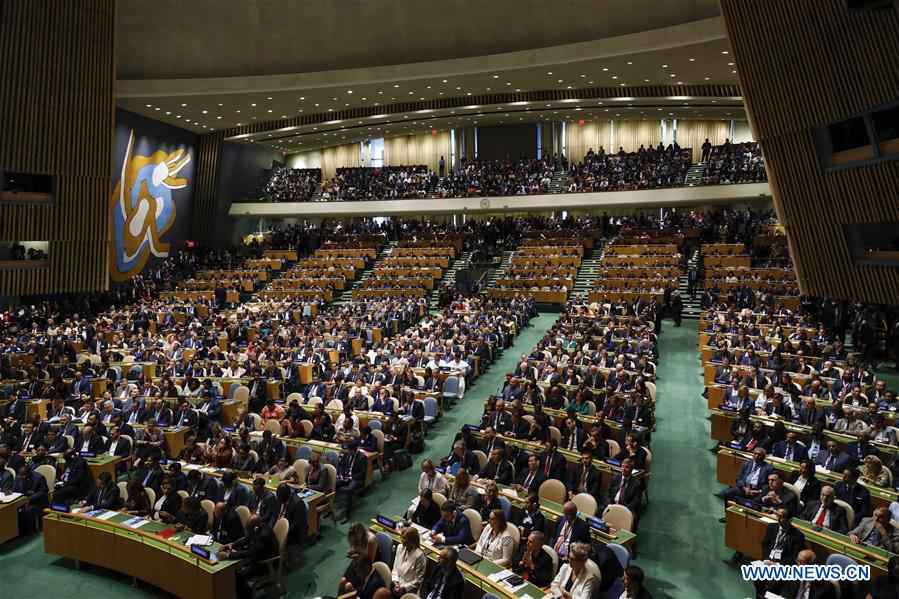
(468,556)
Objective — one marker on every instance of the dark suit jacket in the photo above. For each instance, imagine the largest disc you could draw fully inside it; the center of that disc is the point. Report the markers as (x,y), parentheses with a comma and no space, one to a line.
(745,471)
(453,587)
(266,506)
(535,483)
(240,495)
(148,478)
(580,437)
(501,422)
(858,497)
(79,476)
(633,492)
(787,498)
(295,513)
(841,461)
(794,543)
(579,532)
(529,523)
(501,473)
(189,418)
(592,483)
(838,520)
(107,498)
(358,467)
(95,445)
(799,452)
(228,528)
(858,454)
(557,468)
(196,522)
(122,448)
(542,573)
(34,486)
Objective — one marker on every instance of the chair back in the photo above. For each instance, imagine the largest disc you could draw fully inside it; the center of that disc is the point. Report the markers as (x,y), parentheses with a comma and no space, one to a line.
(618,516)
(332,476)
(304,452)
(554,557)
(242,394)
(130,442)
(593,569)
(451,386)
(516,536)
(257,421)
(314,401)
(123,490)
(307,427)
(410,596)
(552,489)
(255,455)
(301,466)
(182,493)
(506,506)
(586,503)
(335,404)
(481,457)
(294,397)
(838,559)
(243,512)
(555,434)
(385,548)
(651,389)
(621,552)
(331,457)
(152,495)
(474,522)
(439,498)
(374,424)
(273,425)
(430,405)
(49,474)
(282,527)
(209,507)
(614,447)
(383,570)
(378,434)
(850,511)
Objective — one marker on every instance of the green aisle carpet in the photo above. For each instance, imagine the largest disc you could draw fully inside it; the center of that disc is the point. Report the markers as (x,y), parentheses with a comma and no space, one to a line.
(681,546)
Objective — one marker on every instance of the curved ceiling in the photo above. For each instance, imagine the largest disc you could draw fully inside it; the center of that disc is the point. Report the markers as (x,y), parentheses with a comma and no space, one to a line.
(172,39)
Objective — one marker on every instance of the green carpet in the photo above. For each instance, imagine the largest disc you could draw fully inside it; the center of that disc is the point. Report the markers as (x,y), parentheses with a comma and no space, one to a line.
(681,543)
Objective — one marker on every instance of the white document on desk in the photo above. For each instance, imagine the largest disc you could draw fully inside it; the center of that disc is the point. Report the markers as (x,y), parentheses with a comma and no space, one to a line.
(9,498)
(201,540)
(107,515)
(135,522)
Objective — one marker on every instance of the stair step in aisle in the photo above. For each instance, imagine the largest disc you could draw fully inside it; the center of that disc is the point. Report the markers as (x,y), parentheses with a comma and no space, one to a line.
(695,174)
(449,277)
(347,295)
(587,274)
(692,306)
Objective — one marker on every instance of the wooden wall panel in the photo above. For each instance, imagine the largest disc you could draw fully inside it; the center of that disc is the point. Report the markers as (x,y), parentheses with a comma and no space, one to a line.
(57,65)
(205,206)
(804,64)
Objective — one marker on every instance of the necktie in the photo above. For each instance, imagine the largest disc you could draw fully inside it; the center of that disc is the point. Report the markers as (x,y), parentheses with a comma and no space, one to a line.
(621,490)
(548,464)
(572,441)
(789,455)
(583,486)
(528,480)
(560,542)
(822,515)
(829,462)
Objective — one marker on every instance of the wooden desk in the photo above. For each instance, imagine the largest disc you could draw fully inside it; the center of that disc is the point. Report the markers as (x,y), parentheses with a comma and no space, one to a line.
(104,463)
(476,576)
(9,519)
(729,462)
(141,553)
(745,530)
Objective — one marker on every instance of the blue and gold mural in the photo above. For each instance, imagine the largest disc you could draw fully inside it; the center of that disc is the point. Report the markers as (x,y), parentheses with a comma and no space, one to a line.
(154,187)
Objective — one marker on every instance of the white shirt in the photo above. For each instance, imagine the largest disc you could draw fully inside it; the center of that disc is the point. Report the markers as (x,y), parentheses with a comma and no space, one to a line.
(409,568)
(112,446)
(342,417)
(496,547)
(437,484)
(581,589)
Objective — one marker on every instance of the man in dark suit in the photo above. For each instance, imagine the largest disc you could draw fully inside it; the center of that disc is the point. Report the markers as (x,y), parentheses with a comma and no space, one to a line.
(16,410)
(531,517)
(859,450)
(452,528)
(775,495)
(75,482)
(574,436)
(553,464)
(627,490)
(203,487)
(856,495)
(293,509)
(445,582)
(498,468)
(825,513)
(105,495)
(28,440)
(350,476)
(499,419)
(534,561)
(530,479)
(33,486)
(263,502)
(833,459)
(150,474)
(136,414)
(569,529)
(816,589)
(226,525)
(118,445)
(258,545)
(233,492)
(781,545)
(752,477)
(790,448)
(585,478)
(91,442)
(185,416)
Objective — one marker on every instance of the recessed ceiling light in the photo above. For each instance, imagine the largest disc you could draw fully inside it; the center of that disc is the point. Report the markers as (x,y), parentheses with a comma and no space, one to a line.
(157,108)
(220,104)
(561,80)
(734,71)
(673,75)
(646,81)
(549,72)
(205,112)
(496,76)
(396,85)
(349,91)
(218,118)
(254,105)
(167,112)
(692,60)
(183,105)
(614,76)
(149,106)
(707,78)
(316,105)
(239,124)
(730,64)
(629,62)
(269,98)
(458,87)
(724,52)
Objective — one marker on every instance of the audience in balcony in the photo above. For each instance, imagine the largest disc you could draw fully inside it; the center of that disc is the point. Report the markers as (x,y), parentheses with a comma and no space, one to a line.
(292,184)
(647,168)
